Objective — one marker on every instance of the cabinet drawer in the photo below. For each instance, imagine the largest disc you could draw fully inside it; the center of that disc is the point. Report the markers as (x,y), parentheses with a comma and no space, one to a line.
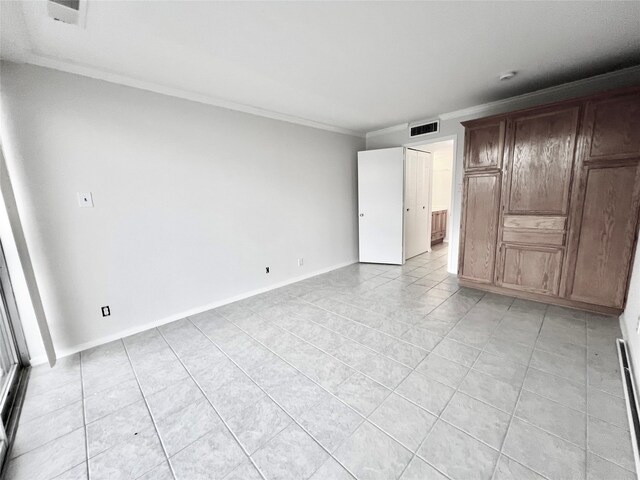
(533,237)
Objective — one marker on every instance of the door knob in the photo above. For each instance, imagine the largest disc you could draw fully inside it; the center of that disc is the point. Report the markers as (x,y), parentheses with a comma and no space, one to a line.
(423,207)
(407,209)
(362,214)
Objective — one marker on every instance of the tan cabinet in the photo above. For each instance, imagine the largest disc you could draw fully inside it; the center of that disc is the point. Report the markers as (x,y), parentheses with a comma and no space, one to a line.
(561,208)
(480,211)
(438,226)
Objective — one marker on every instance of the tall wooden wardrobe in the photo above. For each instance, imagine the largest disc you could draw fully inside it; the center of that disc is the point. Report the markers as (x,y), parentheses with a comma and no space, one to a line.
(550,201)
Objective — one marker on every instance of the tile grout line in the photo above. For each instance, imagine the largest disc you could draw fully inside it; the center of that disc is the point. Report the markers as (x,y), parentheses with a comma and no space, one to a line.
(153,421)
(224,422)
(444,409)
(84,416)
(586,388)
(275,401)
(392,390)
(515,406)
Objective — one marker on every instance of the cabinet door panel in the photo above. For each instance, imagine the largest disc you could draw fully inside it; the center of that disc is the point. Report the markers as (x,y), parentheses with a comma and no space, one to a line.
(531,269)
(541,153)
(614,124)
(484,146)
(479,227)
(607,235)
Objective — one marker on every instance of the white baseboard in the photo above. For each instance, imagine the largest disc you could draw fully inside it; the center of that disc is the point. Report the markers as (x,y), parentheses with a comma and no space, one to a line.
(177,316)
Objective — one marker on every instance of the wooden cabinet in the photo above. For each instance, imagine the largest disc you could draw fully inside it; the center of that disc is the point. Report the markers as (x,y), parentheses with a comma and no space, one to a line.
(561,209)
(480,211)
(484,146)
(438,226)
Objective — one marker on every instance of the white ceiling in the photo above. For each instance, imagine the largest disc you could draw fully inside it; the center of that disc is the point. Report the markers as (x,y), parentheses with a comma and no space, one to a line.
(355,65)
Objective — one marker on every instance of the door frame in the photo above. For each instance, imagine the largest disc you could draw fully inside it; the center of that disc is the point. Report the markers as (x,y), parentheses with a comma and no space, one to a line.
(456,186)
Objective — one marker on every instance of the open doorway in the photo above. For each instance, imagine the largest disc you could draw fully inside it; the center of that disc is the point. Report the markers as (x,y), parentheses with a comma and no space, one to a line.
(442,155)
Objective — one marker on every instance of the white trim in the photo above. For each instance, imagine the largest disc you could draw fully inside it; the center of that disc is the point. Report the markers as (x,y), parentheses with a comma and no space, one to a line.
(452,266)
(70,67)
(477,109)
(394,128)
(627,397)
(177,316)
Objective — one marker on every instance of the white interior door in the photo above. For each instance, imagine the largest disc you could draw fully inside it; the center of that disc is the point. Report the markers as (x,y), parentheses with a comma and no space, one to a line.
(380,205)
(424,197)
(411,174)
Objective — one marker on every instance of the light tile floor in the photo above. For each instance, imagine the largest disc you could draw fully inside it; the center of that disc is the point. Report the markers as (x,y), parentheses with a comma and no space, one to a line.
(369,371)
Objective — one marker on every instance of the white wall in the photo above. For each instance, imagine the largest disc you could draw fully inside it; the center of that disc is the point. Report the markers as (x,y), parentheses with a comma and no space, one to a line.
(191,201)
(442,177)
(450,126)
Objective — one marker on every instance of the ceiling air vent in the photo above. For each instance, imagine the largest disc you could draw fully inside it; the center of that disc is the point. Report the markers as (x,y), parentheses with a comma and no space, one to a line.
(72,12)
(431,127)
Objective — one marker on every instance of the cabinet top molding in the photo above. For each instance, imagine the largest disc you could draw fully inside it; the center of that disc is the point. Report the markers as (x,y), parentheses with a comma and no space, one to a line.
(568,102)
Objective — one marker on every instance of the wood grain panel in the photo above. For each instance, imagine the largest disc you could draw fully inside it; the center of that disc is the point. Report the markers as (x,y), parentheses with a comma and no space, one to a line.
(534,221)
(540,162)
(614,125)
(484,146)
(533,237)
(606,239)
(531,269)
(479,227)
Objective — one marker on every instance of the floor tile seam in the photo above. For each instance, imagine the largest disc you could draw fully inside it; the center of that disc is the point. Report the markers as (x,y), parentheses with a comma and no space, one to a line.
(372,328)
(153,421)
(88,424)
(456,390)
(86,462)
(374,351)
(589,386)
(529,390)
(356,370)
(31,448)
(358,308)
(224,422)
(515,406)
(586,396)
(529,422)
(47,443)
(349,338)
(556,402)
(378,313)
(282,407)
(48,389)
(610,461)
(520,462)
(444,409)
(84,417)
(40,416)
(300,371)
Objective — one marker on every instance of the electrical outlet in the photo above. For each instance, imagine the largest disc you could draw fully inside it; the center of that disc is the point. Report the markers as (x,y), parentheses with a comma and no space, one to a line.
(300,261)
(85,200)
(106,311)
(267,269)
(638,325)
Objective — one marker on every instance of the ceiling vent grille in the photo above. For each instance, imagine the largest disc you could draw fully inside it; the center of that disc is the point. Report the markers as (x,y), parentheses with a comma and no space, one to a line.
(431,127)
(72,12)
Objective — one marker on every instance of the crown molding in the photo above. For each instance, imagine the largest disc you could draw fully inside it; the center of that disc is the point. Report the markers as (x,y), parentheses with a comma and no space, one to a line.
(383,131)
(98,74)
(479,109)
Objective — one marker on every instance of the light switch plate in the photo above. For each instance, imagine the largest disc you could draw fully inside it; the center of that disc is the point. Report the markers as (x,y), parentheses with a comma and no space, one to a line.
(85,199)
